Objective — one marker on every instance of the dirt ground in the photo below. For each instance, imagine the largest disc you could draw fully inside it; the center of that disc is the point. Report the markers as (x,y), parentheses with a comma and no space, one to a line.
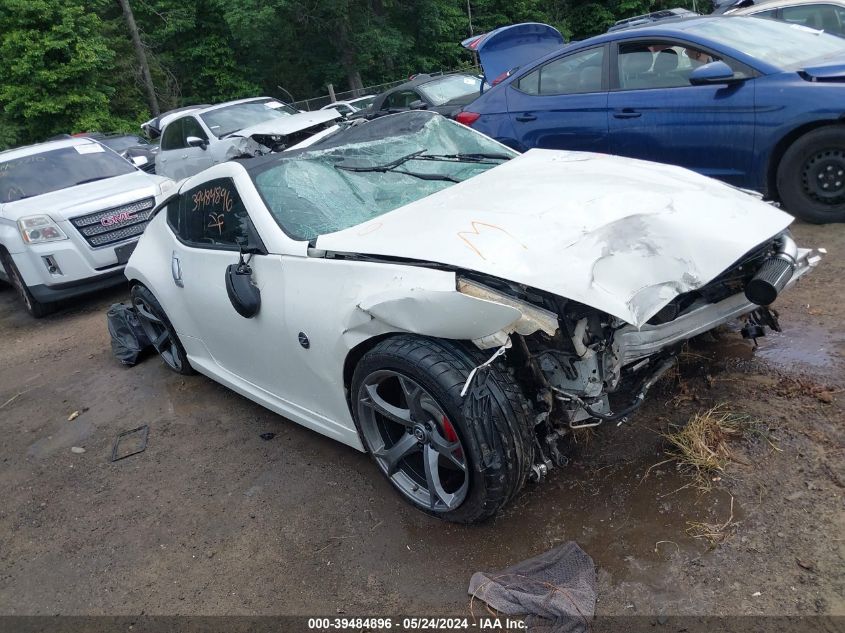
(212,519)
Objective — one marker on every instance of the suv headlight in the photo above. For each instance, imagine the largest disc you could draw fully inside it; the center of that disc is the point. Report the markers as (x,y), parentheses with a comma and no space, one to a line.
(36,229)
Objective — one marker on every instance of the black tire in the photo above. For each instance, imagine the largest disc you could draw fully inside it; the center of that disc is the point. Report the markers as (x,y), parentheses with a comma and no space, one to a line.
(160,331)
(36,308)
(811,176)
(491,423)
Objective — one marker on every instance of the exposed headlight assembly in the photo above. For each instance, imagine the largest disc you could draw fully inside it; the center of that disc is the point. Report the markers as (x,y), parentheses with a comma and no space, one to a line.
(37,229)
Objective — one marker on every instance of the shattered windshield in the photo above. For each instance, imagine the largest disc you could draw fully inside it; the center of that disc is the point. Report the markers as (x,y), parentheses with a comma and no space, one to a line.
(223,121)
(371,169)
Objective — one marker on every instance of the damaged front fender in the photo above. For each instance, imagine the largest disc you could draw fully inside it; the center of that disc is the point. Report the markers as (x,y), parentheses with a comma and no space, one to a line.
(473,312)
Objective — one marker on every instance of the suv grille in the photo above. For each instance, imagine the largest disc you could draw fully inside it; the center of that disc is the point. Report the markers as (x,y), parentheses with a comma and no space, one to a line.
(115,225)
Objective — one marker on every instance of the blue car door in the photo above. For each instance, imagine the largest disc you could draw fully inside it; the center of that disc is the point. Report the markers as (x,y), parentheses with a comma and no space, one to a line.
(563,103)
(656,114)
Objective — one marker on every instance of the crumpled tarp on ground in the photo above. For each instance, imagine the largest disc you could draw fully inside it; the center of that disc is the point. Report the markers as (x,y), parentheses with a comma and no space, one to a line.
(557,590)
(128,339)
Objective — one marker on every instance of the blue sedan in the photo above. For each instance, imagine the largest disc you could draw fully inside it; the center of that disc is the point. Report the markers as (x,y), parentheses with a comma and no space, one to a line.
(756,103)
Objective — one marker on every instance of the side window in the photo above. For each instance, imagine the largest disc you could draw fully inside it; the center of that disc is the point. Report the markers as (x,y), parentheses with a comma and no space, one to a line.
(213,216)
(401,99)
(771,14)
(172,137)
(173,215)
(192,127)
(644,65)
(824,17)
(574,74)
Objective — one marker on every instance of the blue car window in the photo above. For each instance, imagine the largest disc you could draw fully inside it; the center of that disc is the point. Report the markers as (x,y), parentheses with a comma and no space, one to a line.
(650,65)
(578,73)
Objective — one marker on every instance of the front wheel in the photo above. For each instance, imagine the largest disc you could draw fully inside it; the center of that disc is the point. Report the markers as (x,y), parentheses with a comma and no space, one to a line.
(460,459)
(159,330)
(36,308)
(811,176)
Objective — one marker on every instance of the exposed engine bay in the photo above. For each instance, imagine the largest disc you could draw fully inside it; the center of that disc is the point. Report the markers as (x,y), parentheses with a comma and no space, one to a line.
(596,368)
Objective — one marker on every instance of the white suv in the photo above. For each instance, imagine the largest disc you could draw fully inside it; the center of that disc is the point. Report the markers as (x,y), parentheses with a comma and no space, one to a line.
(71,212)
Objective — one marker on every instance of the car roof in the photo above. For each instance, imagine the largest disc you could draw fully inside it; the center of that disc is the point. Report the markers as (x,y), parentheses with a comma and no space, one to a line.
(347,101)
(683,28)
(38,148)
(422,79)
(650,18)
(762,5)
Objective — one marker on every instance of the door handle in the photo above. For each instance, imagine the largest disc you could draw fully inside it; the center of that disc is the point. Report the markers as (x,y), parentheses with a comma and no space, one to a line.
(524,118)
(626,113)
(176,270)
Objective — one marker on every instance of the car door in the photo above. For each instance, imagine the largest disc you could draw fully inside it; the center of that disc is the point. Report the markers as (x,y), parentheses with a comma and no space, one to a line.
(177,160)
(563,103)
(212,222)
(656,114)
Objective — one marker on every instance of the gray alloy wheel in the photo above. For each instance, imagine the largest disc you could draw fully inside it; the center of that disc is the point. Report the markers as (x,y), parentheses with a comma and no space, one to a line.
(412,440)
(159,330)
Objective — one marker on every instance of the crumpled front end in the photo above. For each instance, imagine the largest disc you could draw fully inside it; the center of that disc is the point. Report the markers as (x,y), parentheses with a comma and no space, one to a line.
(591,367)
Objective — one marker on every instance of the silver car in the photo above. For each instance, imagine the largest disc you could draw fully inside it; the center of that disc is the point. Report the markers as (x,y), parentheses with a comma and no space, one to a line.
(71,213)
(822,15)
(199,138)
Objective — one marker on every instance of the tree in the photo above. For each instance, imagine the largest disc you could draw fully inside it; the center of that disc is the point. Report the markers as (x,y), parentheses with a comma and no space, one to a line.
(142,56)
(55,61)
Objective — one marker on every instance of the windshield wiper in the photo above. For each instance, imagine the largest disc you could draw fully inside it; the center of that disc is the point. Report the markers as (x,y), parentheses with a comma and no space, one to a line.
(474,157)
(383,168)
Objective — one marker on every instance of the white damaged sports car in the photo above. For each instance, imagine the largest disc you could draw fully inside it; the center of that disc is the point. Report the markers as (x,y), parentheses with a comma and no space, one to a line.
(414,289)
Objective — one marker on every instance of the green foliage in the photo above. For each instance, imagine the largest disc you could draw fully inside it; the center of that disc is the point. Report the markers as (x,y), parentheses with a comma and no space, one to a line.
(51,78)
(69,65)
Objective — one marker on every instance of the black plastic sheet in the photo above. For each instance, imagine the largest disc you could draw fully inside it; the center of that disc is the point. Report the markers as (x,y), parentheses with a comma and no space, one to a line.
(128,340)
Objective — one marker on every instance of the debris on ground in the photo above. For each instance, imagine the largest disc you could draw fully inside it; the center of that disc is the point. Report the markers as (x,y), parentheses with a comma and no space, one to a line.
(700,447)
(714,533)
(556,590)
(138,435)
(73,416)
(77,449)
(791,387)
(267,436)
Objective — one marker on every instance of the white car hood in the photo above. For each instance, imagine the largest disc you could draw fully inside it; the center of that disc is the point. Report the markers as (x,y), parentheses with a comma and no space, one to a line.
(290,124)
(92,196)
(621,235)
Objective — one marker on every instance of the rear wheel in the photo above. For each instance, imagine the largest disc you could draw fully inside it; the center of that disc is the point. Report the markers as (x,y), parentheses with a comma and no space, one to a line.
(458,458)
(35,307)
(811,176)
(159,330)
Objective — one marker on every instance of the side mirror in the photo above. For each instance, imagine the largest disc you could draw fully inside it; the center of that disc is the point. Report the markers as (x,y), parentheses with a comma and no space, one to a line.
(713,73)
(419,104)
(243,293)
(196,141)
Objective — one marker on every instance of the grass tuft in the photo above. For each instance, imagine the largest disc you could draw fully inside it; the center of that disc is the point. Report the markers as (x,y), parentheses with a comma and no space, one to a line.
(700,447)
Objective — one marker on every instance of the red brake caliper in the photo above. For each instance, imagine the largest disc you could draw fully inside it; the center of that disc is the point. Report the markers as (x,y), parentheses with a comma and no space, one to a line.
(451,436)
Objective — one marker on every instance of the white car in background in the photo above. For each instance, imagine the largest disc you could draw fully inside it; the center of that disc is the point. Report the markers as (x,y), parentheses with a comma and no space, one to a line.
(71,212)
(351,106)
(194,139)
(821,15)
(412,288)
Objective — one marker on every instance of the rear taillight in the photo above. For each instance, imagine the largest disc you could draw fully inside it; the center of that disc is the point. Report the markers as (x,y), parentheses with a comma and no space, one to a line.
(501,78)
(467,118)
